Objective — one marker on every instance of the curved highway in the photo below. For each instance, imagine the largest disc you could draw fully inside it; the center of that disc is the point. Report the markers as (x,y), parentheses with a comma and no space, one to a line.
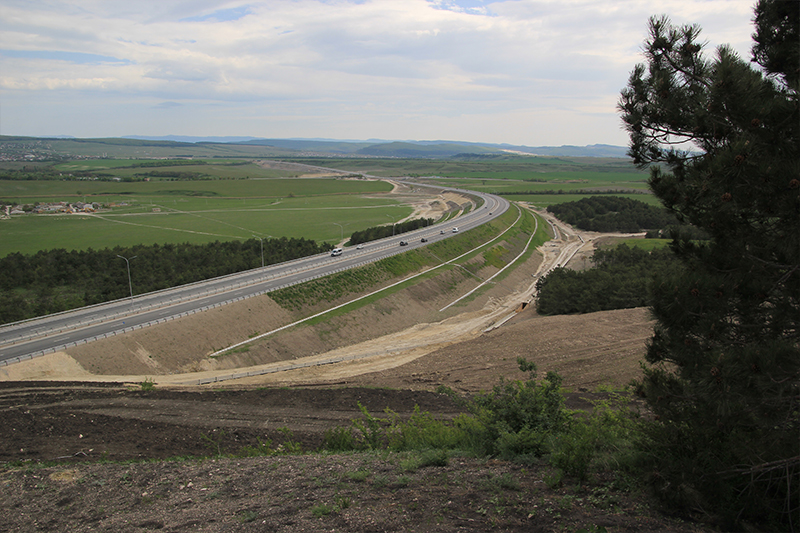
(30,338)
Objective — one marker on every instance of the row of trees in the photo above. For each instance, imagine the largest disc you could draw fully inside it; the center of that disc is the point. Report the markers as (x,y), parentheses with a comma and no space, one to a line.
(612,213)
(619,280)
(379,232)
(569,191)
(56,280)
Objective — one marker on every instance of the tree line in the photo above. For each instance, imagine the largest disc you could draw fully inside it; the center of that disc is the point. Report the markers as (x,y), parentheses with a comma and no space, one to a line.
(618,280)
(379,232)
(56,280)
(568,191)
(613,213)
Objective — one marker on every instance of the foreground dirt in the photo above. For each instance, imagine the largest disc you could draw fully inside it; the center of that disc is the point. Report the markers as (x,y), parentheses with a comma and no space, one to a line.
(75,426)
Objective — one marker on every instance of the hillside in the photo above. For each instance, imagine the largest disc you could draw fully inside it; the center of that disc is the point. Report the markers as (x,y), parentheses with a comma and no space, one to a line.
(48,149)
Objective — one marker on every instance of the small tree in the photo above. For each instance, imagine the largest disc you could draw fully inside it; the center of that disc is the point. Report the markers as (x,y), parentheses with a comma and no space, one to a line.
(724,361)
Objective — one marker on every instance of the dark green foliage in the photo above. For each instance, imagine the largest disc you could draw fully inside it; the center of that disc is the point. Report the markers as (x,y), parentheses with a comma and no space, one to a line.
(379,232)
(612,213)
(519,415)
(619,280)
(56,280)
(724,362)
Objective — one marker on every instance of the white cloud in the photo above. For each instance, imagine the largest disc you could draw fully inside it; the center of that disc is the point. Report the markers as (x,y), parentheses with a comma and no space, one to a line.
(478,70)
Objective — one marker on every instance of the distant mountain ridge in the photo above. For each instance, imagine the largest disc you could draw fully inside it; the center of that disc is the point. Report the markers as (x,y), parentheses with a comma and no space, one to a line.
(384,148)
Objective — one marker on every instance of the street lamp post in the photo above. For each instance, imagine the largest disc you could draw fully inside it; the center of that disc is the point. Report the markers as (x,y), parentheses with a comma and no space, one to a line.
(262,250)
(128,263)
(393,223)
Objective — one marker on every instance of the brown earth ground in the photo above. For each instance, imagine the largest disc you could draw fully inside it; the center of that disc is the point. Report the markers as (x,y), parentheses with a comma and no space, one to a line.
(56,435)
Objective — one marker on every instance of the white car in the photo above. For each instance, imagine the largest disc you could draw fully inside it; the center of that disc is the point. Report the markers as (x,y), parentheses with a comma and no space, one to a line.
(336,251)
(359,247)
(455,230)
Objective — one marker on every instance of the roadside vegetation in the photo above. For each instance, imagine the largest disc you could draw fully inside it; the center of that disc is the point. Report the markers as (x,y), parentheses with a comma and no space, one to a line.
(379,232)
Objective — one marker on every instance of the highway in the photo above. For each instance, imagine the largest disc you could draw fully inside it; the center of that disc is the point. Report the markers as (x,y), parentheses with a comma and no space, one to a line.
(31,338)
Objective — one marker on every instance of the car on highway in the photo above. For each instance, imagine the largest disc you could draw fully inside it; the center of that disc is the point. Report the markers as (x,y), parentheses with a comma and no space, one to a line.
(423,240)
(336,251)
(360,247)
(455,230)
(403,243)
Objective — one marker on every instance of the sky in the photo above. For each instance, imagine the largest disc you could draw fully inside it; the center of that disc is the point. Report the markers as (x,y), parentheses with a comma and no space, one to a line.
(523,72)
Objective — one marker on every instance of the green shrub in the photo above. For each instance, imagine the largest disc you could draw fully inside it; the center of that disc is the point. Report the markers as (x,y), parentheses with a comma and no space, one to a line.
(425,458)
(518,415)
(371,433)
(573,451)
(423,431)
(261,449)
(610,431)
(339,439)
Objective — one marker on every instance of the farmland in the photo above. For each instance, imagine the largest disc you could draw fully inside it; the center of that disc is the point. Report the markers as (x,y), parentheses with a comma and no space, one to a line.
(165,192)
(196,211)
(541,181)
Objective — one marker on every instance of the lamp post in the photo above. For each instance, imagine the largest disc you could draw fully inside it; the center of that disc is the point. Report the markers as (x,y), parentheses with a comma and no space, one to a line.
(393,223)
(262,250)
(128,263)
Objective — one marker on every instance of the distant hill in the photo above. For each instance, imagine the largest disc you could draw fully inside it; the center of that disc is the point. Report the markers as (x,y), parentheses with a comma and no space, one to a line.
(433,151)
(436,149)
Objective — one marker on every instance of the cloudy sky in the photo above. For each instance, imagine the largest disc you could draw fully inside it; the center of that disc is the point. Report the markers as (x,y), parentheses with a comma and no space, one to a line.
(530,72)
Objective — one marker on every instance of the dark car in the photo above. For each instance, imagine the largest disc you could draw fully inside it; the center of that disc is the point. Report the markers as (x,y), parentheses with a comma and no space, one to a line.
(403,243)
(423,240)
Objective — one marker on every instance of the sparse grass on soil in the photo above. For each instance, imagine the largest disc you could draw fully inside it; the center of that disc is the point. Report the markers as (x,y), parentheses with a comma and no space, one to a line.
(78,430)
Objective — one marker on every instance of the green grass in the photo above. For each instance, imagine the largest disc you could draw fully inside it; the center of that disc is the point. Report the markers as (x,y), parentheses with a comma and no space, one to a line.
(644,244)
(28,191)
(181,218)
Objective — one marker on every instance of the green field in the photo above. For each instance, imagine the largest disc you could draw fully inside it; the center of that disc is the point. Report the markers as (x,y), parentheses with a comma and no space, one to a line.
(568,179)
(193,211)
(30,191)
(230,197)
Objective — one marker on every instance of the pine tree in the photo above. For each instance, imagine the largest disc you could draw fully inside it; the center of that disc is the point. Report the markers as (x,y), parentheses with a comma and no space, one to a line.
(722,139)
